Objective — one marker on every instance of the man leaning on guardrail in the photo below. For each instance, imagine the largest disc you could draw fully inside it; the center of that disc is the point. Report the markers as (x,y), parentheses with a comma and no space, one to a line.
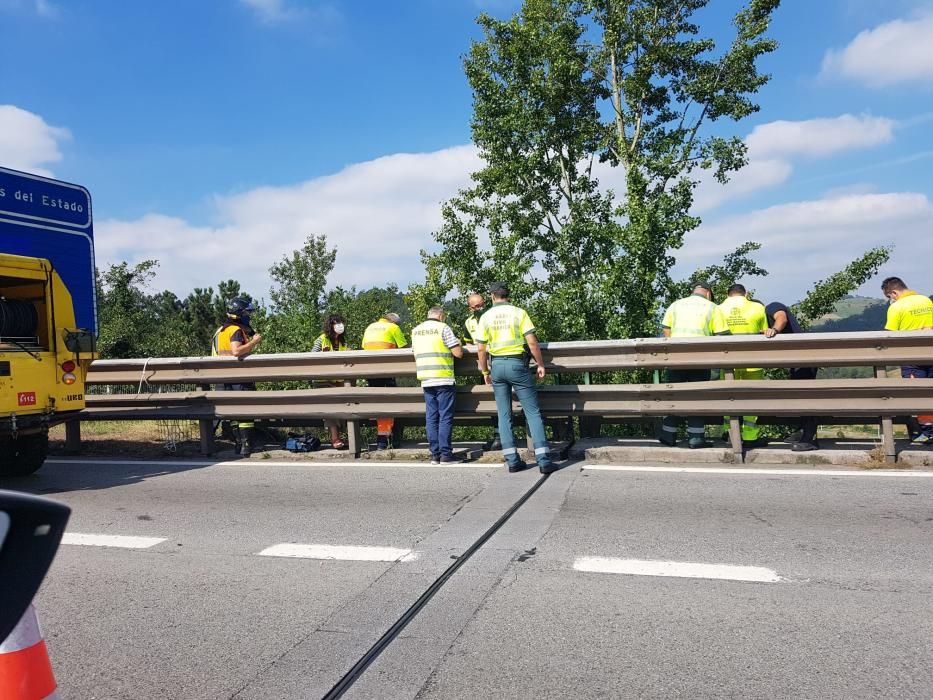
(691,317)
(910,311)
(781,321)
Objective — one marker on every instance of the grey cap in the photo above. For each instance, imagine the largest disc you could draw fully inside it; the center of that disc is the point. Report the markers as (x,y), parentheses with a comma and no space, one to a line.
(701,283)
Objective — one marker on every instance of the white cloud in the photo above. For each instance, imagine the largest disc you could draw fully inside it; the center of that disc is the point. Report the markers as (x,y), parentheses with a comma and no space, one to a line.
(806,241)
(46,9)
(772,148)
(27,142)
(818,138)
(379,214)
(283,11)
(891,53)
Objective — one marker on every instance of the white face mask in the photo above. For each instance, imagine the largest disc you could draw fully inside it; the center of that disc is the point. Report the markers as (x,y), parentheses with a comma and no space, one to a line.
(338,328)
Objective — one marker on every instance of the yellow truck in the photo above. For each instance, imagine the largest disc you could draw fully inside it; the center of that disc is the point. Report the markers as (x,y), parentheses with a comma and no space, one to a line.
(48,316)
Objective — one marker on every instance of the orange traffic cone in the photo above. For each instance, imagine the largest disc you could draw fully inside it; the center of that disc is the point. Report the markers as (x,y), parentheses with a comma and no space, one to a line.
(25,669)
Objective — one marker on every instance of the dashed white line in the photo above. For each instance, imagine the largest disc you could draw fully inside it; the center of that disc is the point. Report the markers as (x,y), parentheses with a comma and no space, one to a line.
(680,569)
(760,472)
(338,552)
(122,541)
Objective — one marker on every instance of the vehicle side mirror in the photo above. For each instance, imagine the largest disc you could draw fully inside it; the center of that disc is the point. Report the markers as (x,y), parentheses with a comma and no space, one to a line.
(31,529)
(80,341)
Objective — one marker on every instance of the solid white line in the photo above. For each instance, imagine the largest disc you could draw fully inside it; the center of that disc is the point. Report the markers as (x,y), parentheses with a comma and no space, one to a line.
(758,472)
(271,463)
(123,541)
(338,552)
(680,569)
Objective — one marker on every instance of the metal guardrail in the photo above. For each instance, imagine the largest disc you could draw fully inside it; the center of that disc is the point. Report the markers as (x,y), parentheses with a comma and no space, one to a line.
(880,397)
(803,350)
(835,397)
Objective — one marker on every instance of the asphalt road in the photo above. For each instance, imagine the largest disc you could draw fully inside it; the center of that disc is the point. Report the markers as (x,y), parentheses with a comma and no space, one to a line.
(775,585)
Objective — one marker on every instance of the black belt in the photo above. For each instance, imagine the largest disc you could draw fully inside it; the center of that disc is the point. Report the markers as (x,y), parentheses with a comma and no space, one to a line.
(508,357)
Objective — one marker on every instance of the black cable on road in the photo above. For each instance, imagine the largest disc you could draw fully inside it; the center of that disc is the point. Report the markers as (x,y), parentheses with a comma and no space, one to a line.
(345,683)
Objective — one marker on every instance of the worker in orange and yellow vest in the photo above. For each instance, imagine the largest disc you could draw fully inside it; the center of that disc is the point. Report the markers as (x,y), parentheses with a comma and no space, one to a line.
(384,334)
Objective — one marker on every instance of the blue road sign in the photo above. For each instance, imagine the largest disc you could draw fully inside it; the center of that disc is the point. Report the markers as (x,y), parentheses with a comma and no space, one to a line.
(45,218)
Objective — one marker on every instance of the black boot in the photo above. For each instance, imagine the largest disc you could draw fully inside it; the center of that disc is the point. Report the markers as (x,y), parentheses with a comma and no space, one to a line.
(247,441)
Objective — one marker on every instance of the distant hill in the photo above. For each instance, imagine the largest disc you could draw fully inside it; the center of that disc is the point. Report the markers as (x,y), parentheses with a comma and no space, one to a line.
(854,314)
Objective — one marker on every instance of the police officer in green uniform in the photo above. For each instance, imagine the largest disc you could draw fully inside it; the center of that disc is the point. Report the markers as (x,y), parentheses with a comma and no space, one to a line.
(694,316)
(502,336)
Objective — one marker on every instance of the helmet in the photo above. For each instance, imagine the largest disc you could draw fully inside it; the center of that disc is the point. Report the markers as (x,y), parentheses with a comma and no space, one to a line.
(239,308)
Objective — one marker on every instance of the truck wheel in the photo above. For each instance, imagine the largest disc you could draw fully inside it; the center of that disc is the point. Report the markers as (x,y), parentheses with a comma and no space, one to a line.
(24,455)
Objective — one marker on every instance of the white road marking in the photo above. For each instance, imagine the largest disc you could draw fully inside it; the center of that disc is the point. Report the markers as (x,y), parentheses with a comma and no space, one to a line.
(123,541)
(680,569)
(271,463)
(338,552)
(759,472)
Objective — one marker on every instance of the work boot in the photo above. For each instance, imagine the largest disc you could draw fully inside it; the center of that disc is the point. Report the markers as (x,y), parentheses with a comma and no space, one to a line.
(669,439)
(697,442)
(517,467)
(496,444)
(247,440)
(804,446)
(548,468)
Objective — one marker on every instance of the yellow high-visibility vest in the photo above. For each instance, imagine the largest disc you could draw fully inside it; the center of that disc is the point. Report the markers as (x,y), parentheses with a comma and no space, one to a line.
(744,316)
(912,312)
(327,346)
(383,335)
(433,359)
(220,343)
(503,328)
(694,316)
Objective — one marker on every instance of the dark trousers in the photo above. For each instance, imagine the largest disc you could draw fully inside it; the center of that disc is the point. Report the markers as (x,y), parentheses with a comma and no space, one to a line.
(696,425)
(915,372)
(439,418)
(808,424)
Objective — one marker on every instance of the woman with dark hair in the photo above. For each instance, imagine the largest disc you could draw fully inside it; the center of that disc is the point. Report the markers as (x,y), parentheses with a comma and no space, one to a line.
(331,340)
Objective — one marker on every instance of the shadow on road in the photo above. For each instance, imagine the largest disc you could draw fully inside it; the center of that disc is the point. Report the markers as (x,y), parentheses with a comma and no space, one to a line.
(91,475)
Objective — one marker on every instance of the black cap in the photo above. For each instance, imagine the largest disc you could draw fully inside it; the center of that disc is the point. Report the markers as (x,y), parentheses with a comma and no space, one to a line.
(500,289)
(701,283)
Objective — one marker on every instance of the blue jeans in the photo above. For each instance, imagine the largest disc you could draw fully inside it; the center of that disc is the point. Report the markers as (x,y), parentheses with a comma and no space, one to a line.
(512,373)
(439,417)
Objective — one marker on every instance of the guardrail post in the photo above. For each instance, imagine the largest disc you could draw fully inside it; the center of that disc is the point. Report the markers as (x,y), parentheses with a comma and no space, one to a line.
(354,436)
(735,426)
(887,425)
(206,429)
(73,437)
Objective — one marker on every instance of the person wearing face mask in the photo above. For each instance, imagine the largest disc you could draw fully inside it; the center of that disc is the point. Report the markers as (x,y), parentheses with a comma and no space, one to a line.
(476,303)
(331,340)
(236,338)
(694,316)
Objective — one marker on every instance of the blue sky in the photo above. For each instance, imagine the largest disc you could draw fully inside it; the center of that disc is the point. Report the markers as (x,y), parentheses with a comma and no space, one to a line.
(231,129)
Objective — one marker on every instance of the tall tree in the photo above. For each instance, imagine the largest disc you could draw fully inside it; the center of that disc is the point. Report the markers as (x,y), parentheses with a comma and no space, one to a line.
(298,296)
(567,89)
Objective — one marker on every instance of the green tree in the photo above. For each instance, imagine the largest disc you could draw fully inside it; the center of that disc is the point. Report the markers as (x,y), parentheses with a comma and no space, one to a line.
(587,265)
(362,307)
(824,296)
(735,267)
(298,297)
